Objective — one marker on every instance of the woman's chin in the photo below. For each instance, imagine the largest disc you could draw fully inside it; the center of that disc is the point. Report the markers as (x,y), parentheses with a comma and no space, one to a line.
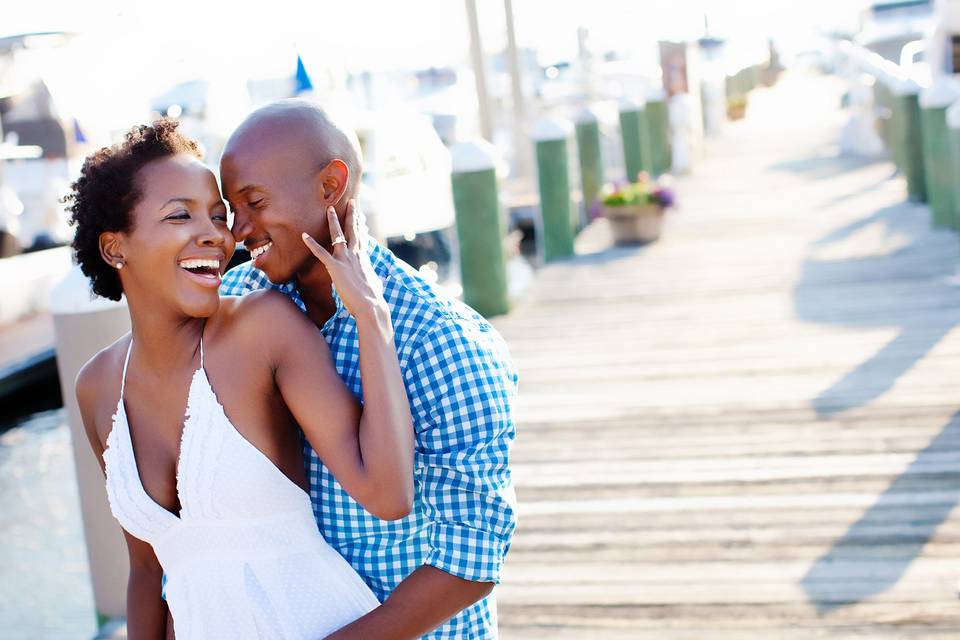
(201,308)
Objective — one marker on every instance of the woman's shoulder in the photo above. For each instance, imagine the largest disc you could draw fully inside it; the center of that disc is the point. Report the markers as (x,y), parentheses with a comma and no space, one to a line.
(97,383)
(105,365)
(258,316)
(257,306)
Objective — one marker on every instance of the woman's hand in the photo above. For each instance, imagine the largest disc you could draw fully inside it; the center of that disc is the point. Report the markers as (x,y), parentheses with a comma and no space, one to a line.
(357,284)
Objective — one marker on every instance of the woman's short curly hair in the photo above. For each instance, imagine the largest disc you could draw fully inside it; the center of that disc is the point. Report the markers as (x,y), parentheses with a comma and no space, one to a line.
(107,191)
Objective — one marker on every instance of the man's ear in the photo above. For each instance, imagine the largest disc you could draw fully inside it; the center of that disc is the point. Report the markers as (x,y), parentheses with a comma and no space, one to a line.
(111,249)
(332,182)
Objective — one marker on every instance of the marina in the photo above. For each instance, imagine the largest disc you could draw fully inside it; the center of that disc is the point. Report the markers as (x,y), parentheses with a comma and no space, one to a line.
(747,430)
(722,247)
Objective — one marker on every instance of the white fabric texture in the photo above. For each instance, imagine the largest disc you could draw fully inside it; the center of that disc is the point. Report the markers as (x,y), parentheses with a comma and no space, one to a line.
(244,559)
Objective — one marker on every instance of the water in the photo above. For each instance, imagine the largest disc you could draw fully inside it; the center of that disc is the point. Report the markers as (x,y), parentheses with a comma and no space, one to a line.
(45,590)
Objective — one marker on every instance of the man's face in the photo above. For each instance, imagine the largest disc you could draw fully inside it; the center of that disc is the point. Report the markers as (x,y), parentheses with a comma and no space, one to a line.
(272,192)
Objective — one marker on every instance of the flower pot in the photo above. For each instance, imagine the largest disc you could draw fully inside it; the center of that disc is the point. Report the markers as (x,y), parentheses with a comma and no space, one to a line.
(635,224)
(736,107)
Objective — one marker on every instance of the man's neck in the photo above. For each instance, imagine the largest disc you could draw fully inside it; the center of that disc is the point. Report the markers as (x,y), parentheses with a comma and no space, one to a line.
(316,291)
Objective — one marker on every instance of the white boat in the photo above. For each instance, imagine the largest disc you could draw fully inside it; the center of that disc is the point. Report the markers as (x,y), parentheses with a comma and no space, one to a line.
(40,144)
(887,25)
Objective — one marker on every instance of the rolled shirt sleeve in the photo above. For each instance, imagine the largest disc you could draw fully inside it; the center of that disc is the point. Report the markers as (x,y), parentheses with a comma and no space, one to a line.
(462,383)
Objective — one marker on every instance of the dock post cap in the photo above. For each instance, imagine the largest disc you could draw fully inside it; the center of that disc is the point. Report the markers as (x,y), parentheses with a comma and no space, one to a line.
(953,115)
(942,92)
(588,114)
(656,94)
(73,295)
(475,154)
(551,127)
(631,103)
(901,85)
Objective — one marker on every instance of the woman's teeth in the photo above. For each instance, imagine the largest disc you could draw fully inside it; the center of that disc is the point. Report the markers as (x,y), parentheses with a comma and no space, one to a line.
(199,264)
(259,251)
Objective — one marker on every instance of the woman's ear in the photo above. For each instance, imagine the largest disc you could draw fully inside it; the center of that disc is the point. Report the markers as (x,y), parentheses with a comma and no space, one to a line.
(332,182)
(111,249)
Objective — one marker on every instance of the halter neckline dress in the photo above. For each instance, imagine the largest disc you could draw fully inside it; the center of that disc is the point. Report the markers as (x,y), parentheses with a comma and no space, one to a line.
(244,558)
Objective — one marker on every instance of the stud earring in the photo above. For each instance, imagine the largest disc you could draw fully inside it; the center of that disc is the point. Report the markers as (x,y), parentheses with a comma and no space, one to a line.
(119,264)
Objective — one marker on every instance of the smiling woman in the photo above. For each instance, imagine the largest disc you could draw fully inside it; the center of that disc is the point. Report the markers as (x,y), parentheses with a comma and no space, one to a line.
(110,185)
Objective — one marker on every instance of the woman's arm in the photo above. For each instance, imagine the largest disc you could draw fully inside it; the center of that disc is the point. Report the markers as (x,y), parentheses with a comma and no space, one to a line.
(368,450)
(146,610)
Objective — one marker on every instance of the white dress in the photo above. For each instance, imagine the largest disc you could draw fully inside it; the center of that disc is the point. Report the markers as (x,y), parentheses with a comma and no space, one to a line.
(244,559)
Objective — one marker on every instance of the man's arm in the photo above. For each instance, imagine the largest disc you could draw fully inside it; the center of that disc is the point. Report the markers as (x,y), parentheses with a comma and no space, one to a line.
(460,388)
(427,598)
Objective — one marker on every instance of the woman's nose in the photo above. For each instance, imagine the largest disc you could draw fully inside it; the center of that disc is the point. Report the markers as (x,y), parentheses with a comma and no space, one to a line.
(210,235)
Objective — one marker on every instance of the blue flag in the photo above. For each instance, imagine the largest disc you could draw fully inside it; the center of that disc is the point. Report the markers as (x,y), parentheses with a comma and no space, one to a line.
(304,83)
(78,133)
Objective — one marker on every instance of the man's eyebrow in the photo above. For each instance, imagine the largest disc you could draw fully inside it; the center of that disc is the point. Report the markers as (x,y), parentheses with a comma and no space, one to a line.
(248,187)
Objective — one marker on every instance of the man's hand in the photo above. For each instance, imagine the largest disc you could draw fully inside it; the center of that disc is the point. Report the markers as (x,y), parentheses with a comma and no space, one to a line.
(427,598)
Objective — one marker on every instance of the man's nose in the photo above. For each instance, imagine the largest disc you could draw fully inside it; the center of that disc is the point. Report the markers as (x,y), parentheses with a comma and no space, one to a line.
(242,227)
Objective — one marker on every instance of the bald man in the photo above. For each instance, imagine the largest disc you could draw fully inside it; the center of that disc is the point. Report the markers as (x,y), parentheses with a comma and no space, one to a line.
(433,571)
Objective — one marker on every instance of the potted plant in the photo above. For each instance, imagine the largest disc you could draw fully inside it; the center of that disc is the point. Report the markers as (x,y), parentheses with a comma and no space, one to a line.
(736,107)
(635,209)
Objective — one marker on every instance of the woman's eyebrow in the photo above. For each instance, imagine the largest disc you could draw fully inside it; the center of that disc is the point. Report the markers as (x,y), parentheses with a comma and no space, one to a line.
(181,199)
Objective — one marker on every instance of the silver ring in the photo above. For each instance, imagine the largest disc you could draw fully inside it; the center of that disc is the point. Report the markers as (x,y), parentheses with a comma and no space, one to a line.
(339,240)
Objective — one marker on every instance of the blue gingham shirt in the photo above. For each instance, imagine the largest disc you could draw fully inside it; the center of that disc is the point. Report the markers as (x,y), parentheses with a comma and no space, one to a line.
(460,381)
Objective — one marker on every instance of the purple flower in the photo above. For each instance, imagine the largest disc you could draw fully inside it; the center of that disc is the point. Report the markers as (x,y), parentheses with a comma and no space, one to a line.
(595,210)
(665,197)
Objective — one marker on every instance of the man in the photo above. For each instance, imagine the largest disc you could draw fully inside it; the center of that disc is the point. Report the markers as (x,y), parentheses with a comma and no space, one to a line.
(434,570)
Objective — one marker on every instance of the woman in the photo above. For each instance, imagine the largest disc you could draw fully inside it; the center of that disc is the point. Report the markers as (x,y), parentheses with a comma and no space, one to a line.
(193,414)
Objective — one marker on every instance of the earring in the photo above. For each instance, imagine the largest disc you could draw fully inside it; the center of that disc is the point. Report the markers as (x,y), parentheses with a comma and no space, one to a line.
(119,264)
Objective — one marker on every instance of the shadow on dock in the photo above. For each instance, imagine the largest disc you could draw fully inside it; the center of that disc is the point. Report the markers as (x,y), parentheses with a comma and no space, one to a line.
(902,289)
(852,560)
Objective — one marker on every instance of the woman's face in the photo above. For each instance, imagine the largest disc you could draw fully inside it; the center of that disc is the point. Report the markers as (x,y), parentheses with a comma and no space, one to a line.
(179,243)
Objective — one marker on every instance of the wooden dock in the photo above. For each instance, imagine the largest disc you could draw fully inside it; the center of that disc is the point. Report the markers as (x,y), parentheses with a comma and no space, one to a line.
(750,429)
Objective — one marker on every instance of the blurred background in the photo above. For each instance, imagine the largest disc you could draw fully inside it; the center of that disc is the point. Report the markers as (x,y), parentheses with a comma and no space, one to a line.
(76,78)
(418,81)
